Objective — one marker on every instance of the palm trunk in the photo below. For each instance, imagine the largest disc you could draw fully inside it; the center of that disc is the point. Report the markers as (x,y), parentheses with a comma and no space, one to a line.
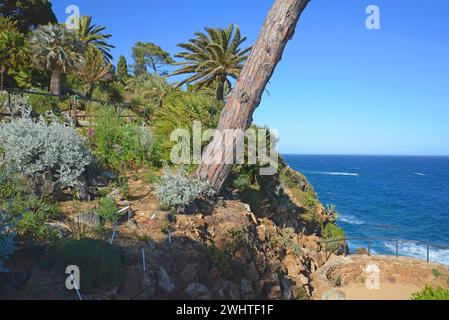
(90,90)
(220,88)
(277,30)
(2,76)
(55,84)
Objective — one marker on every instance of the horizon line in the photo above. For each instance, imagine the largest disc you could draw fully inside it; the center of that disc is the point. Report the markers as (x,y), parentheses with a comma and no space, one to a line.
(365,155)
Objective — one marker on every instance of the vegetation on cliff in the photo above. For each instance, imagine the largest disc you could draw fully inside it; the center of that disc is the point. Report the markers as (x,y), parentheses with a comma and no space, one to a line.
(65,181)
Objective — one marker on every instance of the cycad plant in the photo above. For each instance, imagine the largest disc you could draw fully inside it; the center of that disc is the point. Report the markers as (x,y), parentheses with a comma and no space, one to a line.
(91,35)
(212,58)
(93,70)
(152,88)
(56,49)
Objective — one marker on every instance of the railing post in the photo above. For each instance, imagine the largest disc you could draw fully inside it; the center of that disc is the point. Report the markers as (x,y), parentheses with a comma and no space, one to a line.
(9,105)
(428,253)
(75,108)
(369,248)
(397,249)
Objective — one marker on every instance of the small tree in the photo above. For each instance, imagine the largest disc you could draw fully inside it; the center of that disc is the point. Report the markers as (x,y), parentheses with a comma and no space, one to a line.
(122,69)
(12,47)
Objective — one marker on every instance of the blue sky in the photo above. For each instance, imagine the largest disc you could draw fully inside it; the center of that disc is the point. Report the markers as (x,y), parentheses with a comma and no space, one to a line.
(340,88)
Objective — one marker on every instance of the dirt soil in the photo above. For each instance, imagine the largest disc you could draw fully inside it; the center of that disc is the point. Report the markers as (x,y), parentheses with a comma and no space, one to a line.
(352,277)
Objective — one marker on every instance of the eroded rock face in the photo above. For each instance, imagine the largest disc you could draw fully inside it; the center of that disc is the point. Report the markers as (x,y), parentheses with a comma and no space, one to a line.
(231,254)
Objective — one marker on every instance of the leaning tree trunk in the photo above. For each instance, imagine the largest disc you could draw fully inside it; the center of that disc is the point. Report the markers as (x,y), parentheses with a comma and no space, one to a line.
(2,76)
(277,30)
(55,84)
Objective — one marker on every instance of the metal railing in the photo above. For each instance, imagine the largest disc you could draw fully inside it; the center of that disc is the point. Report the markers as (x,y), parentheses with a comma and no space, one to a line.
(73,104)
(369,241)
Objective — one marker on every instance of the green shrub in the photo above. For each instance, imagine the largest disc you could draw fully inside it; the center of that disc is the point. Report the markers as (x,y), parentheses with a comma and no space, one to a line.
(34,214)
(117,143)
(430,293)
(101,264)
(242,182)
(107,211)
(436,273)
(30,212)
(42,104)
(333,232)
(220,260)
(124,187)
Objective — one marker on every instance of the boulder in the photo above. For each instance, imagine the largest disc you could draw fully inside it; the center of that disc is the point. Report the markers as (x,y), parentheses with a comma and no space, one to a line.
(195,290)
(293,269)
(99,181)
(62,230)
(261,232)
(165,281)
(109,175)
(333,295)
(132,225)
(87,218)
(189,274)
(246,288)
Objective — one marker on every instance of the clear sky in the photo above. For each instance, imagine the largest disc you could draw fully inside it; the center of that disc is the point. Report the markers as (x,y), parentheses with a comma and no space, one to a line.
(340,88)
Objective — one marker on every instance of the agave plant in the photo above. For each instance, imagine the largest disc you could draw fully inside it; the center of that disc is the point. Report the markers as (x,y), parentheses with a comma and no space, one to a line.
(56,49)
(212,57)
(91,35)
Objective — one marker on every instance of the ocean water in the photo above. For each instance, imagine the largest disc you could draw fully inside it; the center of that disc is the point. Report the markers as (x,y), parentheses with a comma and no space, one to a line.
(385,197)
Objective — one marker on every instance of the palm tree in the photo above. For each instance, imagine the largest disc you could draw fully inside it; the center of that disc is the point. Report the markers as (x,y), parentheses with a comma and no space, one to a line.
(212,58)
(93,70)
(91,34)
(56,49)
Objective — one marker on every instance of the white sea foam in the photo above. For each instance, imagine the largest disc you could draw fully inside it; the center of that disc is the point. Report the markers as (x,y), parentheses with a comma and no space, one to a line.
(420,174)
(419,251)
(338,173)
(350,219)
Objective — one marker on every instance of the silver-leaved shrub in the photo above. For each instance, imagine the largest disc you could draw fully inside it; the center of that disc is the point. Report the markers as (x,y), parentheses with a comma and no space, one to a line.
(45,145)
(177,191)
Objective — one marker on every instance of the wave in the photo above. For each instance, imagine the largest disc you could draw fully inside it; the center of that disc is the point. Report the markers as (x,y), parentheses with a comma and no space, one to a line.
(420,174)
(350,219)
(338,173)
(419,251)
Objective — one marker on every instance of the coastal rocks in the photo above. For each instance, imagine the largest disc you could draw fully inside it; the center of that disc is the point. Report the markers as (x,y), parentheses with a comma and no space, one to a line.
(195,290)
(62,230)
(164,281)
(261,232)
(132,225)
(246,288)
(293,268)
(189,273)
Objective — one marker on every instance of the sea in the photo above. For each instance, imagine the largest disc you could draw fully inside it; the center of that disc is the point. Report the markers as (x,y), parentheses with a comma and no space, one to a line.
(385,199)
